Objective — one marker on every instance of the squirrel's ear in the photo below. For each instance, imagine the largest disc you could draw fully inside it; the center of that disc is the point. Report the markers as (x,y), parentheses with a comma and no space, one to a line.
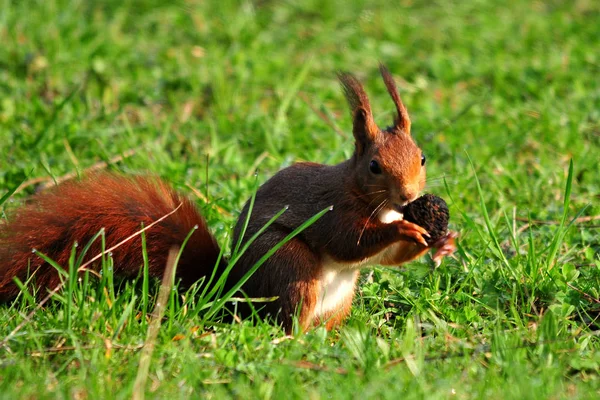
(402,120)
(363,126)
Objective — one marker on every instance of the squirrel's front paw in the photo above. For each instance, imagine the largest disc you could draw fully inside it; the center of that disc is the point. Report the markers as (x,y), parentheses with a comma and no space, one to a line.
(413,231)
(446,246)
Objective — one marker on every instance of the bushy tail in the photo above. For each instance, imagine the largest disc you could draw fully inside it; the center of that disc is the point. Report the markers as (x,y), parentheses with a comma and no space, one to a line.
(75,211)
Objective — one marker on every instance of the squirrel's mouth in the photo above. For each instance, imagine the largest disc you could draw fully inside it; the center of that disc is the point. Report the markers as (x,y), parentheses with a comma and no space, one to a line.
(400,207)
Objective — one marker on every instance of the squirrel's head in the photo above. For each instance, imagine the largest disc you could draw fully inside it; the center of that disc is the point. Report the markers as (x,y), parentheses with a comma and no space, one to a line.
(389,167)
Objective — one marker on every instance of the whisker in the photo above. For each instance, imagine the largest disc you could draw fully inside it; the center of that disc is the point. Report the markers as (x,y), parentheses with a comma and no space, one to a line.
(439,183)
(379,207)
(375,187)
(434,185)
(441,176)
(371,193)
(374,199)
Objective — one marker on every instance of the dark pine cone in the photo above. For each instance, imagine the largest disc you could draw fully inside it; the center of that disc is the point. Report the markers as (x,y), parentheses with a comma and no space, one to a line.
(431,213)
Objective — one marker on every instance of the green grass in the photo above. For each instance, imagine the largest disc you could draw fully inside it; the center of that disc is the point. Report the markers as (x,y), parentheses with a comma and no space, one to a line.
(502,95)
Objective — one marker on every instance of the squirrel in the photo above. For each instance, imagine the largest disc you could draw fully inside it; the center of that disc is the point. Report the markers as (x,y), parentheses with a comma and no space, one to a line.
(312,276)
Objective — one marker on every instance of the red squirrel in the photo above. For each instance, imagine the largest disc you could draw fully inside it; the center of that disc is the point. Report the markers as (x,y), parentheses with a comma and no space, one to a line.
(313,276)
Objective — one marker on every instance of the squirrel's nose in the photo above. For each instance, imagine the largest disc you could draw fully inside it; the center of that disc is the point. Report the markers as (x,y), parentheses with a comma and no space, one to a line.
(409,195)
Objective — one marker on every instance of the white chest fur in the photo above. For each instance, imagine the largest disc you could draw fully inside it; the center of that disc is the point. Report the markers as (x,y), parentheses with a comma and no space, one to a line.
(338,279)
(388,216)
(336,286)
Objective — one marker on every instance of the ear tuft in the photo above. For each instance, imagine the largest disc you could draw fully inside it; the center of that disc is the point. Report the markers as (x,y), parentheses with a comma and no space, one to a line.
(354,92)
(402,120)
(364,128)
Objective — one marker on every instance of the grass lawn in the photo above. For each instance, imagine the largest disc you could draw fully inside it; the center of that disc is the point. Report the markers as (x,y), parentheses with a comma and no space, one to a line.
(503,97)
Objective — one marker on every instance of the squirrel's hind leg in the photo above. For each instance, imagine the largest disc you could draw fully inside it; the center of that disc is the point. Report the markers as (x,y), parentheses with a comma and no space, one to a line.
(291,274)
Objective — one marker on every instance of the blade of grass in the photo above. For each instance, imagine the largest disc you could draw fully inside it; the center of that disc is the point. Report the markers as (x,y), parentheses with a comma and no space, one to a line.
(153,329)
(53,118)
(216,289)
(71,281)
(145,278)
(12,190)
(248,215)
(173,298)
(126,313)
(216,306)
(560,231)
(488,223)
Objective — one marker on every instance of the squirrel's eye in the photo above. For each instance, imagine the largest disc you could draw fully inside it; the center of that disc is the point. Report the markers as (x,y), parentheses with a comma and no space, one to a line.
(423,159)
(374,167)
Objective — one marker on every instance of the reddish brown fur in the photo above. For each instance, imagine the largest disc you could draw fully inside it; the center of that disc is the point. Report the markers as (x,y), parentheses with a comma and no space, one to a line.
(350,232)
(75,211)
(407,251)
(346,237)
(337,318)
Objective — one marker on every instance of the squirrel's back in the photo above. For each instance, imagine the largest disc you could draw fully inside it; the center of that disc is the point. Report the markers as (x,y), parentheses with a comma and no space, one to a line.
(75,211)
